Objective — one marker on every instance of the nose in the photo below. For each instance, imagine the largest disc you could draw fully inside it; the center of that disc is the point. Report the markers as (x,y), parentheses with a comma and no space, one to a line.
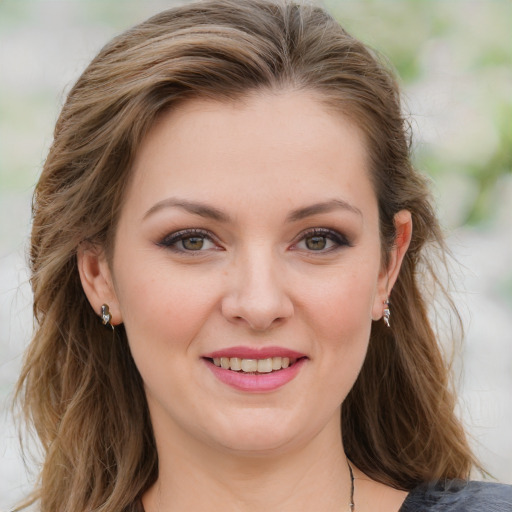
(257,294)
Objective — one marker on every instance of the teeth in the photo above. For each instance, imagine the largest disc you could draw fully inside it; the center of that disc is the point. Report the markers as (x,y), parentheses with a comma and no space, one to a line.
(235,363)
(265,365)
(253,365)
(249,365)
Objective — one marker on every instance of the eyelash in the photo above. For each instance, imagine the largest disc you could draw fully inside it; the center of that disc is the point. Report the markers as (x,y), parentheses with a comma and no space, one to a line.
(337,238)
(170,241)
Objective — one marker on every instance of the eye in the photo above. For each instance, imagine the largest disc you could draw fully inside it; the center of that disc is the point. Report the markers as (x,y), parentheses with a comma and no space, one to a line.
(189,240)
(321,240)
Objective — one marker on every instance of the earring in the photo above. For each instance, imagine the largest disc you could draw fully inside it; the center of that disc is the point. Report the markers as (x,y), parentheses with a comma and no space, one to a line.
(106,316)
(387,312)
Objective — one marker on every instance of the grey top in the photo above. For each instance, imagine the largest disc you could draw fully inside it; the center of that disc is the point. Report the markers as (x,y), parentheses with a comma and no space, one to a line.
(459,496)
(449,496)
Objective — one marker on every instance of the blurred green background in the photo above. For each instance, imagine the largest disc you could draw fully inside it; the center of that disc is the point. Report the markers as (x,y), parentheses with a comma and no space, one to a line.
(454,59)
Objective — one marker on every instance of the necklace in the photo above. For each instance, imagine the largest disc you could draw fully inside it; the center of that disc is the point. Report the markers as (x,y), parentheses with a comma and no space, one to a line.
(351,505)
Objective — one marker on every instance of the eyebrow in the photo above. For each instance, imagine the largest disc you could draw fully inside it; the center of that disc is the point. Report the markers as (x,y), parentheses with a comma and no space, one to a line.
(201,209)
(207,211)
(324,207)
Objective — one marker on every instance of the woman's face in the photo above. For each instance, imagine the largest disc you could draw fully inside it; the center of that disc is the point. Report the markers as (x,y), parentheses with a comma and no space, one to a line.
(249,233)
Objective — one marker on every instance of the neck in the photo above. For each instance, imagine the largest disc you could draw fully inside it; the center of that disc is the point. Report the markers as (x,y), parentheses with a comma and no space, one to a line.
(206,478)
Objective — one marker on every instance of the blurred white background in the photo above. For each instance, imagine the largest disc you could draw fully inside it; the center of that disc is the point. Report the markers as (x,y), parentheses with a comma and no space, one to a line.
(455,60)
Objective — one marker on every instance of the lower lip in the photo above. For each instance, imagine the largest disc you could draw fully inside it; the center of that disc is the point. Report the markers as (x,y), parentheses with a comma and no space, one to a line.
(256,383)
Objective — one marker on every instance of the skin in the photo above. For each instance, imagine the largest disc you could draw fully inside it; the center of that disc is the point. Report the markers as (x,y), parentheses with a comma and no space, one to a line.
(258,279)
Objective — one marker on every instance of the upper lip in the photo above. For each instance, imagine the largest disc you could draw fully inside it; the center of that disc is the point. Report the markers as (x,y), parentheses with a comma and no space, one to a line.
(255,353)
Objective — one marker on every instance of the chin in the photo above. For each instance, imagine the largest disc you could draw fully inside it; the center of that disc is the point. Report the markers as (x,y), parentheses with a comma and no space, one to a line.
(264,436)
(263,446)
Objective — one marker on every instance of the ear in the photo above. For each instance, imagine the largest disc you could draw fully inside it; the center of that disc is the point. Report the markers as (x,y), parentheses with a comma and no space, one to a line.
(96,279)
(389,273)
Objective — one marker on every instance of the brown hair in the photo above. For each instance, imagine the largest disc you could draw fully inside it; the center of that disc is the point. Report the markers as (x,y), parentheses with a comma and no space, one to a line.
(81,389)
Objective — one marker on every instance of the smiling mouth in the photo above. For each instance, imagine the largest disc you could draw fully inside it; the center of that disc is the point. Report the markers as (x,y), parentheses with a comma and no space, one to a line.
(253,366)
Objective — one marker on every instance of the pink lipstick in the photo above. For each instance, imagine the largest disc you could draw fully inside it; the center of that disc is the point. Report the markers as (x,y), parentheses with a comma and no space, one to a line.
(258,370)
(255,353)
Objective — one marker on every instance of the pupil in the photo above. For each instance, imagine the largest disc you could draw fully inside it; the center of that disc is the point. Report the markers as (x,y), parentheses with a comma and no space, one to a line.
(193,243)
(316,243)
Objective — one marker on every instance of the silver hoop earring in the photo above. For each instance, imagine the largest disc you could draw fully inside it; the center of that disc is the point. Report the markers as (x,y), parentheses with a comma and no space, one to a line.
(106,316)
(387,313)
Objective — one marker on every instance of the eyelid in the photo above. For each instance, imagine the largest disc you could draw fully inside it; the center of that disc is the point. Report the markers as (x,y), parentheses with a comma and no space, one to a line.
(169,240)
(335,236)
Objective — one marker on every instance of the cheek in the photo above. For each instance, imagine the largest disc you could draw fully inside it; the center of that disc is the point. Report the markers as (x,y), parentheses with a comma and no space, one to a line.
(346,326)
(164,309)
(345,300)
(339,314)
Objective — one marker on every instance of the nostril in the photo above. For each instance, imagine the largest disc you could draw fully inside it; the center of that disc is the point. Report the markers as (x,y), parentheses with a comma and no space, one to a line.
(260,307)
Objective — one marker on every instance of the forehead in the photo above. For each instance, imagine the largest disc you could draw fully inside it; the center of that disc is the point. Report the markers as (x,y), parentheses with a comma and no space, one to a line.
(284,145)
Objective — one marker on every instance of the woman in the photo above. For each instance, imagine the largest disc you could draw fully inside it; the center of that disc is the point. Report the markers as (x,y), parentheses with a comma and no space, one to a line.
(228,264)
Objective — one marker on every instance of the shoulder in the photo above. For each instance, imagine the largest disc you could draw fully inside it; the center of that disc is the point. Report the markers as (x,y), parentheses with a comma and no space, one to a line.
(459,496)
